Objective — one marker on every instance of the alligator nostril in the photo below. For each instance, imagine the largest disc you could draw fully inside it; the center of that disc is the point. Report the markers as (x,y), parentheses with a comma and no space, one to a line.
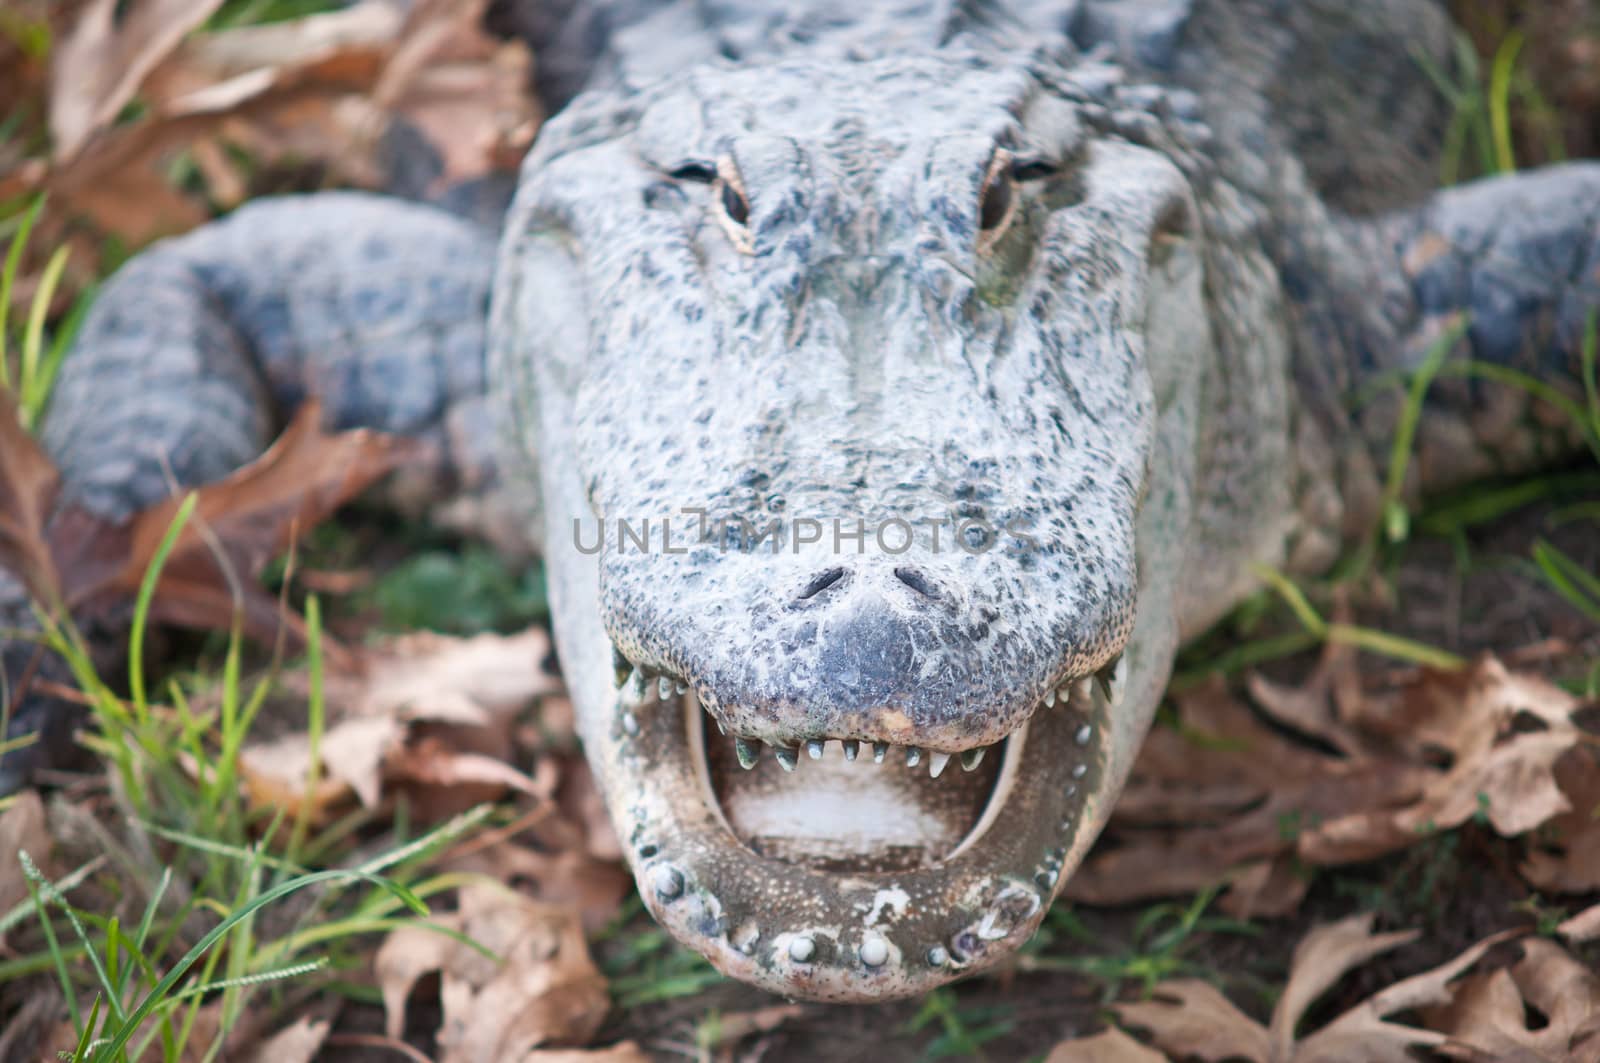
(822,582)
(917,582)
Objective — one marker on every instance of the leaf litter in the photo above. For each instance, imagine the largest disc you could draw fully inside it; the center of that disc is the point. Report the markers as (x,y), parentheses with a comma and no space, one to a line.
(1232,794)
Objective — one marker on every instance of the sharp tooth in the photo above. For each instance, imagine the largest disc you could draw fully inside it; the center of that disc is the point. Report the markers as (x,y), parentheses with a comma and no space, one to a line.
(879,751)
(972,758)
(681,688)
(814,748)
(1084,734)
(621,665)
(749,751)
(913,756)
(638,687)
(851,748)
(1064,695)
(936,763)
(1050,697)
(721,730)
(664,688)
(788,758)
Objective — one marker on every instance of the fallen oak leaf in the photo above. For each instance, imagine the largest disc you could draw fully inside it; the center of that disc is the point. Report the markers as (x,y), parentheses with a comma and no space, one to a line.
(621,1052)
(1110,1045)
(1565,858)
(99,67)
(1585,926)
(1489,1017)
(427,713)
(1320,960)
(1190,1018)
(29,485)
(540,987)
(1502,769)
(22,828)
(1225,799)
(252,516)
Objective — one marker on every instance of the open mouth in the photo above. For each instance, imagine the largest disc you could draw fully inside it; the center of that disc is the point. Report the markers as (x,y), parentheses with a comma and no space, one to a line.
(836,869)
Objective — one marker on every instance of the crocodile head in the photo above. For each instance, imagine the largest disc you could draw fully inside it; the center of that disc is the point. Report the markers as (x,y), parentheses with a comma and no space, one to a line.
(841,385)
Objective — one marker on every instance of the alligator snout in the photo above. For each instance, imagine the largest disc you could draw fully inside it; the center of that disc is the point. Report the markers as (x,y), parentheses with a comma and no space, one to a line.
(929,655)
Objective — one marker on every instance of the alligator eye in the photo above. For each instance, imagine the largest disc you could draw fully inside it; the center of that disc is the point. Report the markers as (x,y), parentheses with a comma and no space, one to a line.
(997,204)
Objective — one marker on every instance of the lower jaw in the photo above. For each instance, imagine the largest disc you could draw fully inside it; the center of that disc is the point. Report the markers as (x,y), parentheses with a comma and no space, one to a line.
(848,935)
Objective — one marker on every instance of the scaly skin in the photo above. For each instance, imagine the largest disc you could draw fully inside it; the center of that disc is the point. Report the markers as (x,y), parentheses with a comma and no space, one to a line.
(1083,288)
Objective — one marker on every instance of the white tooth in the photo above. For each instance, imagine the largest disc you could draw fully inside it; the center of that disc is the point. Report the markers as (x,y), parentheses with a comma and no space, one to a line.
(1080,770)
(913,756)
(749,752)
(1083,735)
(879,751)
(664,687)
(814,748)
(682,688)
(851,748)
(788,758)
(1050,697)
(972,758)
(1064,695)
(936,764)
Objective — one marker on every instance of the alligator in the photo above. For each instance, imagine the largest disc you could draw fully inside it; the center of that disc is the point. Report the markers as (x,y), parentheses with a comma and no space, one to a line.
(890,390)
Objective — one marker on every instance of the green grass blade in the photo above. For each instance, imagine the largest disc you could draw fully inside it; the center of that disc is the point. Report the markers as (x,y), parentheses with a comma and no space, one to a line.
(1505,64)
(168,984)
(141,609)
(1579,587)
(316,717)
(28,383)
(1396,521)
(8,281)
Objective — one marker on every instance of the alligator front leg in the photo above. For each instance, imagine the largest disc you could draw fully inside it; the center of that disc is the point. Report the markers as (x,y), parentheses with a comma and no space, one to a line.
(198,348)
(1502,278)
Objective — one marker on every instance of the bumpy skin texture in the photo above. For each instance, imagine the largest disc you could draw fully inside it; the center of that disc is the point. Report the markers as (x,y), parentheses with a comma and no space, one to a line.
(1085,287)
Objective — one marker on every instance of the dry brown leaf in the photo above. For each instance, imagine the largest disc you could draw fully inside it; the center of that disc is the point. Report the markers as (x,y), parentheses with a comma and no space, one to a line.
(1585,926)
(29,484)
(297,1043)
(323,89)
(1505,732)
(1565,858)
(99,67)
(623,1052)
(1227,799)
(542,988)
(1321,959)
(1192,1019)
(1110,1045)
(251,516)
(567,876)
(428,713)
(733,1027)
(1222,796)
(1489,1016)
(22,828)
